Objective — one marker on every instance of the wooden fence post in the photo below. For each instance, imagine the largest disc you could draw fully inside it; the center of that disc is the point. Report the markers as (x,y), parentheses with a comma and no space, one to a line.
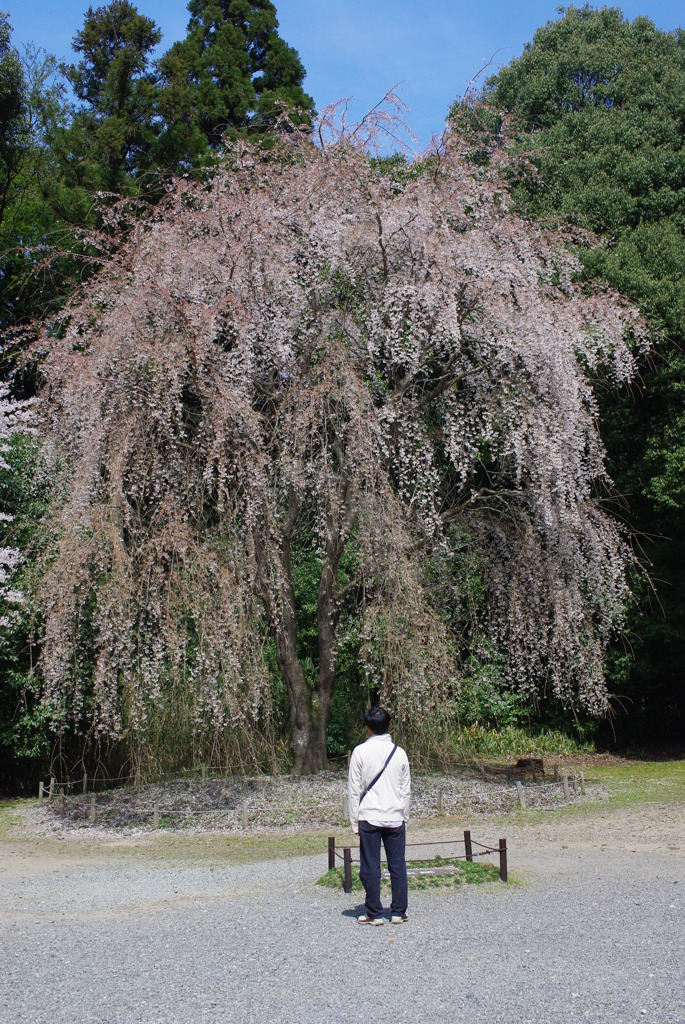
(345,809)
(503,873)
(52,787)
(62,802)
(347,862)
(93,812)
(85,782)
(564,782)
(521,795)
(137,782)
(331,852)
(468,849)
(441,809)
(40,794)
(533,773)
(556,772)
(582,784)
(574,783)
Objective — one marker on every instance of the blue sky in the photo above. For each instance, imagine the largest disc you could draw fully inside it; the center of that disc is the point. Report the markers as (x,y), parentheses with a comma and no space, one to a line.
(359,48)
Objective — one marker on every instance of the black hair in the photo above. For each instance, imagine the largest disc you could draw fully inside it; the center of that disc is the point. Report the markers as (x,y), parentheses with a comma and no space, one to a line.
(378,720)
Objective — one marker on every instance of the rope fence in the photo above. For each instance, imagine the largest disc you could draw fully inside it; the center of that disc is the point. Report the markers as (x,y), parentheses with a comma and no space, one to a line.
(567,783)
(204,771)
(345,854)
(137,777)
(577,782)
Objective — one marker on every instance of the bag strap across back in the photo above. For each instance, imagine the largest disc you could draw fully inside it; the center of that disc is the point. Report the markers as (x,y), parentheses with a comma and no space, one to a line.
(372,784)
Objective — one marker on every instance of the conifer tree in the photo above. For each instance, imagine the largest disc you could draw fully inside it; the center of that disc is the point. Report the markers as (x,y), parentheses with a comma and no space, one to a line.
(35,202)
(116,129)
(232,70)
(11,112)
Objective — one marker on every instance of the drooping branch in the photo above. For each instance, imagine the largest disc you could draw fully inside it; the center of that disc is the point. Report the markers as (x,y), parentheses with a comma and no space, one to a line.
(387,356)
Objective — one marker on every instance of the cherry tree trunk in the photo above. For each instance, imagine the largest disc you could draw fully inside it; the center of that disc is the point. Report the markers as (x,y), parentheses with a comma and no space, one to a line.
(308,719)
(310,710)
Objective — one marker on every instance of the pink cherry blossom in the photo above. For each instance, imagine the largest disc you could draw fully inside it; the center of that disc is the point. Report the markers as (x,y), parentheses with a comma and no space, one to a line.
(386,357)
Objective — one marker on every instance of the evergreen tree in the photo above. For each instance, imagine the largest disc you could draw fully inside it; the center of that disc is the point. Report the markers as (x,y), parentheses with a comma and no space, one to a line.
(62,154)
(601,105)
(12,119)
(232,70)
(117,128)
(36,203)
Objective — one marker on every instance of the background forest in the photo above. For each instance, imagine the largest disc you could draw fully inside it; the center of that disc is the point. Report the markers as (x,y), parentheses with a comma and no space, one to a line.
(472,448)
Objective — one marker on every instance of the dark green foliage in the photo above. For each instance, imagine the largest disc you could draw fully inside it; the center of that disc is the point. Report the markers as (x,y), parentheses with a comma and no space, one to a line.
(32,201)
(485,700)
(600,107)
(116,128)
(48,202)
(349,701)
(133,122)
(232,71)
(345,725)
(12,104)
(12,132)
(345,728)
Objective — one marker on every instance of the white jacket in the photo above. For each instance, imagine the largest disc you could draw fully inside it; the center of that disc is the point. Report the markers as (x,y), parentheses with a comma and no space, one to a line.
(388,801)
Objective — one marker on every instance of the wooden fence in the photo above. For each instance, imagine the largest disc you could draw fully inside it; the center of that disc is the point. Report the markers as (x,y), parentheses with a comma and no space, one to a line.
(57,792)
(344,853)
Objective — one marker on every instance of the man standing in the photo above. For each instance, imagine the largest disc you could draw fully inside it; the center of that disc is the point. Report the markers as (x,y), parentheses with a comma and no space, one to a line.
(379,787)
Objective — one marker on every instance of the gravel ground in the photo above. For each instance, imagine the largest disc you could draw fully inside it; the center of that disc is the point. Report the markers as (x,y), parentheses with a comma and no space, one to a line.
(593,931)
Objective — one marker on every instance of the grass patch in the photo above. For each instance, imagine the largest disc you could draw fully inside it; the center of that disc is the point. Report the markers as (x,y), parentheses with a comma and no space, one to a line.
(629,785)
(229,849)
(461,872)
(641,781)
(8,815)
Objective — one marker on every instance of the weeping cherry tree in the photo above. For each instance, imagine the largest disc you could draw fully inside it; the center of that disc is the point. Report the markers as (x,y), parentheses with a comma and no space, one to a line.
(379,353)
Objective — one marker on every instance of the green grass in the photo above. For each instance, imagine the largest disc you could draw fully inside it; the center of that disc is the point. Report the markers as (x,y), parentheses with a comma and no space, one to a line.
(8,815)
(230,849)
(628,784)
(641,781)
(465,872)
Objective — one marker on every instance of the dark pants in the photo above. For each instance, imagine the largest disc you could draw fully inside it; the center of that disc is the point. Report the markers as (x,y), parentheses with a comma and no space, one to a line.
(394,840)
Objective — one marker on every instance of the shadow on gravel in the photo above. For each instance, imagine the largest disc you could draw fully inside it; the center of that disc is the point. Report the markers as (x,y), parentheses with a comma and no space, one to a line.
(355,911)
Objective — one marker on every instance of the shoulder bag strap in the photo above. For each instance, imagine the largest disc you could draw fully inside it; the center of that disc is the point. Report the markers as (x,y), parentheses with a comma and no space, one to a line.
(372,784)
